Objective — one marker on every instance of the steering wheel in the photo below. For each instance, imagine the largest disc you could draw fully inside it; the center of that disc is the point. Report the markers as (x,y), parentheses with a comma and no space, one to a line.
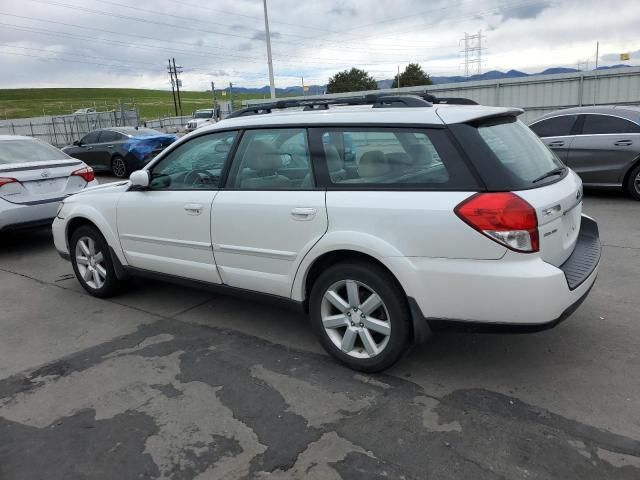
(201,177)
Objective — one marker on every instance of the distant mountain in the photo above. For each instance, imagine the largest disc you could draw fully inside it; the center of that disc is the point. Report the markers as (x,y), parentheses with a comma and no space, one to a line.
(490,75)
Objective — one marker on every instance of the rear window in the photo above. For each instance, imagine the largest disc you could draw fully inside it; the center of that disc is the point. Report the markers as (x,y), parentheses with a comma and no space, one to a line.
(607,124)
(519,150)
(21,151)
(393,158)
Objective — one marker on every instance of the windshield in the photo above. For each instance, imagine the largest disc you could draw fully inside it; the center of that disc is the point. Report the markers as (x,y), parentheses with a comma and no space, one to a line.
(519,149)
(203,114)
(21,151)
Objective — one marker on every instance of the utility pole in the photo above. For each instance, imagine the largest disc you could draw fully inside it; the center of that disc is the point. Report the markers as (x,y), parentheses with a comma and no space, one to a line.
(398,76)
(213,93)
(272,84)
(173,91)
(231,95)
(176,71)
(302,85)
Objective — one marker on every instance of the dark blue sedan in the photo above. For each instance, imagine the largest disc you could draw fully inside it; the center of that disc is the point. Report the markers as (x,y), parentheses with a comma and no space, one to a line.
(119,150)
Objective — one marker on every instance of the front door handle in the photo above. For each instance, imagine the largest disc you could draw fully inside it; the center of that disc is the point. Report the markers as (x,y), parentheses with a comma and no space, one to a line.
(623,143)
(556,144)
(303,213)
(193,208)
(109,146)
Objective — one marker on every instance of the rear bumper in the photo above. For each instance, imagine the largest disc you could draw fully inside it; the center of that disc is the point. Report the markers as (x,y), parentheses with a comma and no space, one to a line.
(516,293)
(16,216)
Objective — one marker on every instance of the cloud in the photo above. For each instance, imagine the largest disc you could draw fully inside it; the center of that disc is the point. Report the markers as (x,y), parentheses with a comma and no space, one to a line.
(262,35)
(314,39)
(523,12)
(344,11)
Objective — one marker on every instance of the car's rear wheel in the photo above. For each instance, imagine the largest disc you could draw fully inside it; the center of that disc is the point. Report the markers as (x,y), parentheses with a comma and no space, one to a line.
(119,167)
(633,182)
(92,264)
(361,316)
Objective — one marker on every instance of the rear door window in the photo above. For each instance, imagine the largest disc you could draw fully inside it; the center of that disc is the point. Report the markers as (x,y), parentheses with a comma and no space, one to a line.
(607,124)
(555,127)
(109,136)
(519,150)
(272,159)
(392,158)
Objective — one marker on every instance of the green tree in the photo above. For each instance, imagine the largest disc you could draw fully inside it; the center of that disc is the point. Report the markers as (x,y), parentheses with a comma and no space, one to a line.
(413,76)
(354,80)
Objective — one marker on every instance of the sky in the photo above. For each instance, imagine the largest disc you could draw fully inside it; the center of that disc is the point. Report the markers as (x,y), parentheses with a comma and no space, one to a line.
(119,43)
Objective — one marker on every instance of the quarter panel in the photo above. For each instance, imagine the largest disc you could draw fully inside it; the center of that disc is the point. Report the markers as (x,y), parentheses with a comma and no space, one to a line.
(414,223)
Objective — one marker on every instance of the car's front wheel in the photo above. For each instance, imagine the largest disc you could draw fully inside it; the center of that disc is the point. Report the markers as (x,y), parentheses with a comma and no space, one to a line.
(119,167)
(92,264)
(633,182)
(361,316)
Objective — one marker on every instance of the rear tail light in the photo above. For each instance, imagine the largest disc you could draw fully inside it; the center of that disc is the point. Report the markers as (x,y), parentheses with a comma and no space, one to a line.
(5,180)
(504,218)
(85,172)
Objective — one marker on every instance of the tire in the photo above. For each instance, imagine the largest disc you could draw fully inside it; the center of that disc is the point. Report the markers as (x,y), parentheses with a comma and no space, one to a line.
(119,167)
(633,182)
(92,264)
(369,337)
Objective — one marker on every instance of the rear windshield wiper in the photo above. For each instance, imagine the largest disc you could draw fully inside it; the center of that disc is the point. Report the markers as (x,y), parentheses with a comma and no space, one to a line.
(551,173)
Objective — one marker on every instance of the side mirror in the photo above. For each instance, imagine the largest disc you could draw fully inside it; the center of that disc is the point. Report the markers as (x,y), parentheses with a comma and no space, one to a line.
(139,178)
(77,143)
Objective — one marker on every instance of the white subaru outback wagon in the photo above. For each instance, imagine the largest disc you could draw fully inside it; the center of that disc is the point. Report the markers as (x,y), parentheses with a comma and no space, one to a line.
(384,218)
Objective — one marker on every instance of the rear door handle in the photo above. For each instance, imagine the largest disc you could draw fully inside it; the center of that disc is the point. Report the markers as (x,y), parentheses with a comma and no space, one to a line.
(623,143)
(109,146)
(193,208)
(556,144)
(303,213)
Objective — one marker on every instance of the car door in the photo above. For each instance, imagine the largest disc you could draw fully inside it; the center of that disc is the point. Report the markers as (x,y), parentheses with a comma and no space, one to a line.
(269,214)
(556,133)
(166,228)
(106,147)
(604,149)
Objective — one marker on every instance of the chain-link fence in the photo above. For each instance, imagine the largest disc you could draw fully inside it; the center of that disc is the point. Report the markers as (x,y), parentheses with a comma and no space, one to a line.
(65,129)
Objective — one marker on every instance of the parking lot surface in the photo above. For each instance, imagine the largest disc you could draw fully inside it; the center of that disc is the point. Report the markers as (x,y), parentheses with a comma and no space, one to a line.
(169,382)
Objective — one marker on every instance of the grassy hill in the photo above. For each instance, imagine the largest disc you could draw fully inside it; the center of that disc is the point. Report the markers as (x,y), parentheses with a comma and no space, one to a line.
(34,102)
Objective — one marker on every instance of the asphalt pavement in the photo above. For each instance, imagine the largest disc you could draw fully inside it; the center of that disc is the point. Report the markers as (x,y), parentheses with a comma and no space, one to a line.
(169,382)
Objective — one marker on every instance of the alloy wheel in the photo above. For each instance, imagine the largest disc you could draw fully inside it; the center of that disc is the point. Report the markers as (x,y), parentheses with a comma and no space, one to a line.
(355,319)
(118,167)
(91,262)
(636,183)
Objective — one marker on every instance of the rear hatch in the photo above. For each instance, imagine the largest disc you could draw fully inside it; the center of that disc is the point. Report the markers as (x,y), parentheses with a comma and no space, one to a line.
(509,157)
(40,182)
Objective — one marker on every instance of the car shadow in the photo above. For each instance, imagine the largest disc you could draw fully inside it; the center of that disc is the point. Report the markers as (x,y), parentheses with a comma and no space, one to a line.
(25,241)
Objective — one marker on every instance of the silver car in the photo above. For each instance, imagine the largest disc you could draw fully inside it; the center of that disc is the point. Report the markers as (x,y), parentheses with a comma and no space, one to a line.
(34,178)
(601,144)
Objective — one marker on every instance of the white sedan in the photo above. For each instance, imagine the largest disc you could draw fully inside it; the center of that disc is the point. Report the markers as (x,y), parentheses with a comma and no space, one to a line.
(34,178)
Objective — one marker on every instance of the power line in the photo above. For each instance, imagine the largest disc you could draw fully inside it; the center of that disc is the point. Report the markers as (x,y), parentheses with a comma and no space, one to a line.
(84,56)
(67,60)
(182,27)
(305,59)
